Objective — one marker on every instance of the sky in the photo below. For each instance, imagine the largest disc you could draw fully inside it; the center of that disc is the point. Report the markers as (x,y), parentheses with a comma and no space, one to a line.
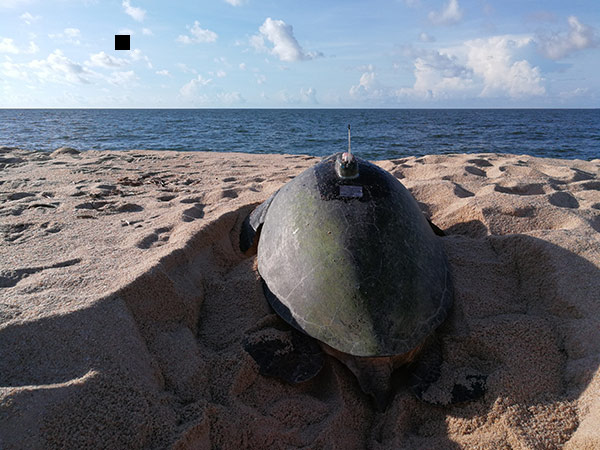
(300,54)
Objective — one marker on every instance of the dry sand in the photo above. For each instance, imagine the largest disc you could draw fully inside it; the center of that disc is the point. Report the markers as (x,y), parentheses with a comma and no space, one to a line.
(124,300)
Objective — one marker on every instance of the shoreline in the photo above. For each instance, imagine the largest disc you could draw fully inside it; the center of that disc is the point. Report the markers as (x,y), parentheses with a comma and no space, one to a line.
(123,302)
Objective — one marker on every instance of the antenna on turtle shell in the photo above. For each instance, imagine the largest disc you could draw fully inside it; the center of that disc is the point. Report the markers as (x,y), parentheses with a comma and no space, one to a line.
(346,166)
(349,150)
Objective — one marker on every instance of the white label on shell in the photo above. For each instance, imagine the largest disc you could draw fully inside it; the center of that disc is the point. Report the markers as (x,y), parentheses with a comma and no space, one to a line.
(351,191)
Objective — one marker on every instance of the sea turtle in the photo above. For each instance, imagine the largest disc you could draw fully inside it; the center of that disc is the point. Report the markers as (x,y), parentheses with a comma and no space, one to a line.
(347,258)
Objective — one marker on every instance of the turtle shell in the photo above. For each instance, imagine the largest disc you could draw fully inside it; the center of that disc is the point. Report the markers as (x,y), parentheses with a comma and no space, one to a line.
(353,262)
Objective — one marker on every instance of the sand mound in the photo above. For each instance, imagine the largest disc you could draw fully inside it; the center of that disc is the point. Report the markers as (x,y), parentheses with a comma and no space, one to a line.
(124,300)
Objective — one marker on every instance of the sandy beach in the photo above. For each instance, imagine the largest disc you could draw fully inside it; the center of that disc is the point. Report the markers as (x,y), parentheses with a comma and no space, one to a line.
(124,301)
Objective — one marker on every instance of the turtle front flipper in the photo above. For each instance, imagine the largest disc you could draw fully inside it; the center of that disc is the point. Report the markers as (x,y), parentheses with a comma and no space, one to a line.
(252,224)
(283,352)
(427,384)
(471,388)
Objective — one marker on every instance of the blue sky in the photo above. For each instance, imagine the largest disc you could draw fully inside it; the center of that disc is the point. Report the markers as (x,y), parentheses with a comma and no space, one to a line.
(281,53)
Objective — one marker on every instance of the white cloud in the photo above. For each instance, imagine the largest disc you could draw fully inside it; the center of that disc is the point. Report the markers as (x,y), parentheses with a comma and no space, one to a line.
(221,74)
(28,18)
(493,60)
(365,68)
(365,84)
(308,96)
(184,39)
(559,45)
(260,79)
(69,35)
(242,66)
(235,2)
(186,69)
(438,76)
(72,32)
(147,32)
(136,55)
(231,98)
(12,70)
(164,73)
(577,92)
(285,45)
(222,60)
(33,48)
(424,37)
(202,35)
(7,45)
(481,67)
(136,13)
(450,14)
(258,42)
(123,78)
(199,35)
(58,68)
(106,61)
(368,86)
(190,89)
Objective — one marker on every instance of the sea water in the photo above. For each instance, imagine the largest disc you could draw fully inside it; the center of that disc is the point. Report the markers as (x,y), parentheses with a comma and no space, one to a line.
(376,133)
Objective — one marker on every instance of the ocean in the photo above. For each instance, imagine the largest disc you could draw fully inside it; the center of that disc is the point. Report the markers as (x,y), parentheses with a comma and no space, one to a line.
(376,133)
